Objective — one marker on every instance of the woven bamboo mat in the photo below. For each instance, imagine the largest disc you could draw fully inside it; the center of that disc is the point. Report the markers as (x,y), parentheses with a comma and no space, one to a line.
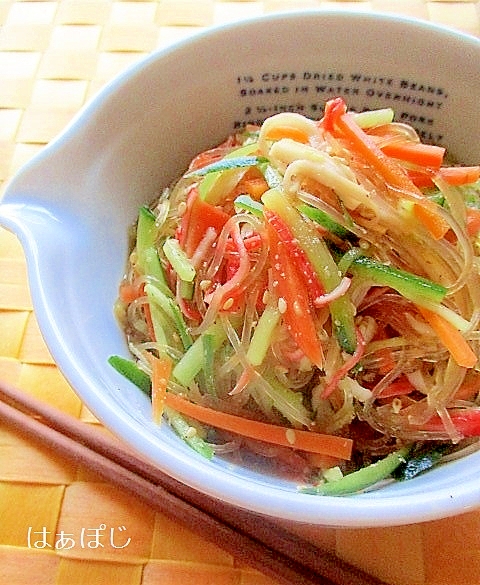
(59,524)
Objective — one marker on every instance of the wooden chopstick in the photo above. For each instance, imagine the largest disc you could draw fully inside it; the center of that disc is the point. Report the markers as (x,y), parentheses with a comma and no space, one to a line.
(253,539)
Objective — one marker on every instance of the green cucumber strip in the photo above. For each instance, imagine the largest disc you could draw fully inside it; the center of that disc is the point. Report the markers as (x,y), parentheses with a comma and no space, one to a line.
(210,179)
(208,343)
(185,336)
(160,322)
(246,203)
(184,430)
(147,254)
(262,336)
(412,287)
(225,164)
(346,260)
(192,361)
(161,314)
(288,402)
(130,370)
(187,290)
(342,314)
(178,259)
(272,176)
(363,478)
(171,311)
(421,460)
(146,229)
(371,118)
(324,220)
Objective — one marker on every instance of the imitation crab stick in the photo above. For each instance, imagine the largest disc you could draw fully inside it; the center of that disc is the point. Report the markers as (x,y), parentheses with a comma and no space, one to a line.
(292,290)
(198,217)
(299,439)
(466,421)
(322,262)
(312,284)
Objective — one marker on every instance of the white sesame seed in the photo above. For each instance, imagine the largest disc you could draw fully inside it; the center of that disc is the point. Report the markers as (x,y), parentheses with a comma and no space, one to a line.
(228,304)
(191,432)
(282,305)
(296,308)
(290,435)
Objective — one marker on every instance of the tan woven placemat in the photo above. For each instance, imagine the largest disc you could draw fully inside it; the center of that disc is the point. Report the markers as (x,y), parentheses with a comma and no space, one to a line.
(60,525)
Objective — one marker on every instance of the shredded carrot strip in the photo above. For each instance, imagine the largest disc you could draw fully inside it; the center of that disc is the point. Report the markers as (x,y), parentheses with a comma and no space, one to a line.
(161,370)
(430,219)
(460,175)
(309,441)
(425,155)
(473,221)
(452,175)
(394,176)
(451,338)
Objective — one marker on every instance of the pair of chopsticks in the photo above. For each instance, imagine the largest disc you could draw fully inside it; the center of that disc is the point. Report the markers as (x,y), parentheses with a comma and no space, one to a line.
(252,539)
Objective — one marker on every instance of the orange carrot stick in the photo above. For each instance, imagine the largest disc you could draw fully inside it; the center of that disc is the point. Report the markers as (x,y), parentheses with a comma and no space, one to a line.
(424,155)
(460,175)
(473,221)
(430,219)
(298,439)
(451,338)
(452,175)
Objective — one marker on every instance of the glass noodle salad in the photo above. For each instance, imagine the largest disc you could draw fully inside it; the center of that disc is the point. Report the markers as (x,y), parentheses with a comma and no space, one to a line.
(306,299)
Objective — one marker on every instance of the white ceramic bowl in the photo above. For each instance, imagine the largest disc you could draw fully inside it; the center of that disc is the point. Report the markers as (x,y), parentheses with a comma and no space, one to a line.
(72,205)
